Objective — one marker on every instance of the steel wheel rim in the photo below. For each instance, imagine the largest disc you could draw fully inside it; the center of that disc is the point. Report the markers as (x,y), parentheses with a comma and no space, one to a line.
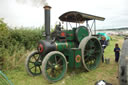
(55,67)
(34,64)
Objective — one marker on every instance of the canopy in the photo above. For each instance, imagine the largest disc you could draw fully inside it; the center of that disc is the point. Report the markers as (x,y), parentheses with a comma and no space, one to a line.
(74,16)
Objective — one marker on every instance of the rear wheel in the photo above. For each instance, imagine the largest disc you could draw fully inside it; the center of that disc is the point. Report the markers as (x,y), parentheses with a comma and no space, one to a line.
(33,64)
(91,52)
(54,66)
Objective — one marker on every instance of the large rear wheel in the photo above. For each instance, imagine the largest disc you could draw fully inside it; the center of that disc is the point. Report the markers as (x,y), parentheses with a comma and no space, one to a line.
(54,66)
(91,52)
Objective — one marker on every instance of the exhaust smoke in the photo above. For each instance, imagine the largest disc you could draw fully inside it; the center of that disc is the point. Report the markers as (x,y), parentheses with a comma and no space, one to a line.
(36,3)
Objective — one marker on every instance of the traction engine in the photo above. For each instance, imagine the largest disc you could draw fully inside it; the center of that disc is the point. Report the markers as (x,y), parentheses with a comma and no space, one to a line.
(62,49)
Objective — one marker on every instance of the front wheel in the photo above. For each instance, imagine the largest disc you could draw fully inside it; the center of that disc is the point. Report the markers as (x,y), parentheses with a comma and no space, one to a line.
(54,66)
(33,64)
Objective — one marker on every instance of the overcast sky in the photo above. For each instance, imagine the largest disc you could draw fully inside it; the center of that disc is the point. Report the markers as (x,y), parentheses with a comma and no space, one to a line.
(29,13)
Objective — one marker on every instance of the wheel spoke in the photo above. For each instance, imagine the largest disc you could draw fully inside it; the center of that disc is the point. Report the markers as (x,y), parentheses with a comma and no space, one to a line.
(31,62)
(54,74)
(39,68)
(32,67)
(55,60)
(35,69)
(34,57)
(48,67)
(59,61)
(49,63)
(58,72)
(51,72)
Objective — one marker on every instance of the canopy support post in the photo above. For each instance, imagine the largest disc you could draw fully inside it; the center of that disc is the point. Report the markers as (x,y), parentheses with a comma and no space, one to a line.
(94,26)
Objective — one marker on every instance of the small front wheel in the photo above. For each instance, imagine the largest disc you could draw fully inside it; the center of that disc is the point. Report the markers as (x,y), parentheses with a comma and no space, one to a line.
(54,66)
(33,64)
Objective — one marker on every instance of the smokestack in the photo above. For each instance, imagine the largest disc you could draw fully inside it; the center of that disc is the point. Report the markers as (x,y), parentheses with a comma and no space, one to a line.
(47,21)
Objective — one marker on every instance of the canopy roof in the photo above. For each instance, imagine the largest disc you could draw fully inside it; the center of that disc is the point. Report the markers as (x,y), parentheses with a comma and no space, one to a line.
(74,16)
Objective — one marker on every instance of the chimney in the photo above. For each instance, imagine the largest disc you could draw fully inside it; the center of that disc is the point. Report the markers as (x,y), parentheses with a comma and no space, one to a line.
(47,21)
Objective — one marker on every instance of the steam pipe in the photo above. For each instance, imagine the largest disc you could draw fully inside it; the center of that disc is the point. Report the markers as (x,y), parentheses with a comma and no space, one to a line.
(47,21)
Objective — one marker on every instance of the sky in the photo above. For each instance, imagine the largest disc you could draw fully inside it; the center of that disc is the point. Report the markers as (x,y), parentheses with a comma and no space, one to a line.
(30,13)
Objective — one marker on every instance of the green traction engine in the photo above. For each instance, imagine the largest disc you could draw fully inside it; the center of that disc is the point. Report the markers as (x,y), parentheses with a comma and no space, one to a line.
(71,48)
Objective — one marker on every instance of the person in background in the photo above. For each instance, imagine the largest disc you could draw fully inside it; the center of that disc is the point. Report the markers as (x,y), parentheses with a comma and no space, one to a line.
(117,52)
(103,44)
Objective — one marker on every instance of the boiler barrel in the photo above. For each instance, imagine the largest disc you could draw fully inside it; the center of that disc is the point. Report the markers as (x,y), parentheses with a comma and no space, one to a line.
(45,46)
(60,46)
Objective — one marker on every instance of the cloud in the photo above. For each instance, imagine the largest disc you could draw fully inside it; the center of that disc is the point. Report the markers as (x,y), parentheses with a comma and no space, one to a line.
(31,13)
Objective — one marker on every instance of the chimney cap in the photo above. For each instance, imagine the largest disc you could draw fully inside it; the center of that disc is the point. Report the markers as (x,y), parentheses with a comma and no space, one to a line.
(47,7)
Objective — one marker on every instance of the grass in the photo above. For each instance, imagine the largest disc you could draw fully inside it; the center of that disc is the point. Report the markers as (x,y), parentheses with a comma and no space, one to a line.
(106,72)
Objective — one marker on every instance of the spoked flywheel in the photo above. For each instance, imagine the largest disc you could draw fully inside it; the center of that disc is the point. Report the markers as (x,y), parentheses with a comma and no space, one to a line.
(54,66)
(33,64)
(91,52)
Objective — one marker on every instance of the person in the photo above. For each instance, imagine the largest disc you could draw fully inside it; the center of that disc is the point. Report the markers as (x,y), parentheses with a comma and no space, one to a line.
(104,45)
(117,52)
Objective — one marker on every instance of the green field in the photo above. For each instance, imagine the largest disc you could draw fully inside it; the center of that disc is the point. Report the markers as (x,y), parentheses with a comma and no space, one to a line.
(106,72)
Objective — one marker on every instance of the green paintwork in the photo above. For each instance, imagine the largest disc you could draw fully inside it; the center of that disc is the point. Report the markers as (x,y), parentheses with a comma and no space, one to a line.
(70,34)
(60,46)
(81,33)
(76,52)
(55,67)
(71,54)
